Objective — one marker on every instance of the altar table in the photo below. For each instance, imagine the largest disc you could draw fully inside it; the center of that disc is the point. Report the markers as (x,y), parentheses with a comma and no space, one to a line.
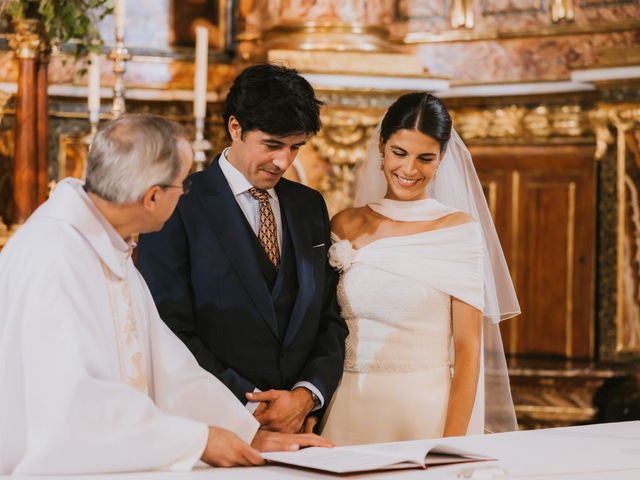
(592,452)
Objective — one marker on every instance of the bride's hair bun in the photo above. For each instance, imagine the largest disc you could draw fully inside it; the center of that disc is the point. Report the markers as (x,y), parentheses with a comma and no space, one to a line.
(418,111)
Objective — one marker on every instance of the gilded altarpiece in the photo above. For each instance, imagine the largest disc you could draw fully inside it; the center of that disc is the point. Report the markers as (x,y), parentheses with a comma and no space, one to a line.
(618,129)
(629,338)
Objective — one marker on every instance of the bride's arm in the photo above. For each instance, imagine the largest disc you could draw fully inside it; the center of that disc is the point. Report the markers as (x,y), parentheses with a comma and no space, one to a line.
(467,330)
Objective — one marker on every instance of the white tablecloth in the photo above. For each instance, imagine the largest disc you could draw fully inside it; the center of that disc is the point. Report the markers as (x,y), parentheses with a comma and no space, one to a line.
(593,452)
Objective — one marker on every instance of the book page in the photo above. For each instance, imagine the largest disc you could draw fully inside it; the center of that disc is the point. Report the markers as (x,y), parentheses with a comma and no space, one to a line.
(340,459)
(410,451)
(377,456)
(415,450)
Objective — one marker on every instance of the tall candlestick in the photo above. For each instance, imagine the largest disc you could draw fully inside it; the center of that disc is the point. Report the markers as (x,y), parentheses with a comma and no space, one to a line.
(200,78)
(93,100)
(119,54)
(120,14)
(200,146)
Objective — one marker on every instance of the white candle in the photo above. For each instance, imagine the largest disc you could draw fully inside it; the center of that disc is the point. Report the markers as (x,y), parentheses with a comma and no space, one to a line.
(120,14)
(200,77)
(93,101)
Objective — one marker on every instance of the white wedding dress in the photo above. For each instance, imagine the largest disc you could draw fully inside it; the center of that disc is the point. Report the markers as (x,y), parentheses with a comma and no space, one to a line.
(395,295)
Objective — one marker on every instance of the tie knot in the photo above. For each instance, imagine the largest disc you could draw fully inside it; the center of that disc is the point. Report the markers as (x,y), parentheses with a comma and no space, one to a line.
(259,194)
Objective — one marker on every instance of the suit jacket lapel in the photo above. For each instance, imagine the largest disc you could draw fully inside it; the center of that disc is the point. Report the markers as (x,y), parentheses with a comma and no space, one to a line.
(219,201)
(301,241)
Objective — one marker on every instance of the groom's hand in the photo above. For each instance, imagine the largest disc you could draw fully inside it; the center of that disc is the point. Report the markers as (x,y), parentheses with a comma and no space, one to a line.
(310,423)
(266,441)
(285,411)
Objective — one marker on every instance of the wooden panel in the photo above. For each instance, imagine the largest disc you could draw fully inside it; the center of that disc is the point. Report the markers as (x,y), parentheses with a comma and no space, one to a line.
(543,203)
(547,212)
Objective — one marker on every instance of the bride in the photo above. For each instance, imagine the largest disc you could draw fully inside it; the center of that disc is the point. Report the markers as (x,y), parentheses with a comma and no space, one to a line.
(423,284)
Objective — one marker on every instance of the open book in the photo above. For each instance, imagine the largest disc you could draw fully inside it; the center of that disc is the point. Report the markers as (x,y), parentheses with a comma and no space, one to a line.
(376,456)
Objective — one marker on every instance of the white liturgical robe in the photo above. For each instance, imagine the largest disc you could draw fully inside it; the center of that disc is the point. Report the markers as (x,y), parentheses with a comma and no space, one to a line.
(91,378)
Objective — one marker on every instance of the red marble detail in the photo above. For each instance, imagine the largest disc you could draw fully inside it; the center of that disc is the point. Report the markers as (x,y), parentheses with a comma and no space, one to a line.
(532,59)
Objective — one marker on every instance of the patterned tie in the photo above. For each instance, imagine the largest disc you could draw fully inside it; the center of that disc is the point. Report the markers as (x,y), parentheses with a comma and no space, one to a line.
(267,232)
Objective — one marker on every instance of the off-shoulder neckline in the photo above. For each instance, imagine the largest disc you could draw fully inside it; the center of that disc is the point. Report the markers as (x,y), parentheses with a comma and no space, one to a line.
(336,239)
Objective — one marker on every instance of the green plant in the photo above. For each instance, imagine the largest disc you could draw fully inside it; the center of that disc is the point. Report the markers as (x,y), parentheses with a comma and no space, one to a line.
(73,22)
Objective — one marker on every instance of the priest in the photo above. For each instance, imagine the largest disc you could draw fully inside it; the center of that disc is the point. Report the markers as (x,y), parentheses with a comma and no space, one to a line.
(92,380)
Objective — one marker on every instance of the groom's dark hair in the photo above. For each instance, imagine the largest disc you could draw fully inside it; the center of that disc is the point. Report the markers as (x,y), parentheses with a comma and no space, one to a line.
(273,99)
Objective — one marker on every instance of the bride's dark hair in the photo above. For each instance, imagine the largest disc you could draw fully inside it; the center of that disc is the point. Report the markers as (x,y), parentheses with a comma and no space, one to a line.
(418,111)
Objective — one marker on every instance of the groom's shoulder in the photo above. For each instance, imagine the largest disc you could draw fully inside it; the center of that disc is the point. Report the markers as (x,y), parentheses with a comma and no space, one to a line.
(299,190)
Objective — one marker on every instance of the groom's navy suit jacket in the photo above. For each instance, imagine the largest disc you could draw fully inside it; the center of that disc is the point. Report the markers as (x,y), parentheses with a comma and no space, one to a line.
(210,289)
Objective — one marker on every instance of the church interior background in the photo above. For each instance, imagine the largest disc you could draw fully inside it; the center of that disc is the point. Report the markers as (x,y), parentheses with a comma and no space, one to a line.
(544,92)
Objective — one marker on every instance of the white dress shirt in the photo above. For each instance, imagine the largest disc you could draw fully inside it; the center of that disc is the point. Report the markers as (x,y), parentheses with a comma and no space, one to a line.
(250,206)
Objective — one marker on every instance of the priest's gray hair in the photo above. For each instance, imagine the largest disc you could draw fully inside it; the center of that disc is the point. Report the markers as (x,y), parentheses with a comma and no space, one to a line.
(132,153)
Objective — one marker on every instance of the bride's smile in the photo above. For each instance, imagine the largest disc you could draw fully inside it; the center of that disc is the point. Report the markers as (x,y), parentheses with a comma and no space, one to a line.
(406,182)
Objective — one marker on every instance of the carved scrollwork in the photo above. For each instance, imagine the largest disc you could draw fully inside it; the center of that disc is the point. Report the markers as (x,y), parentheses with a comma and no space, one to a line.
(547,402)
(520,122)
(562,394)
(342,142)
(618,125)
(4,98)
(538,121)
(26,41)
(627,115)
(601,125)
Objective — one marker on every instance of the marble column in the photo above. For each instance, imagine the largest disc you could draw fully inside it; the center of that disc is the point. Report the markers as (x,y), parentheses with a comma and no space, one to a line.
(42,115)
(25,187)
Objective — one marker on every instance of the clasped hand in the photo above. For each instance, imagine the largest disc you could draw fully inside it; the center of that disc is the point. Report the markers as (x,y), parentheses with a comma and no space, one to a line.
(226,449)
(283,410)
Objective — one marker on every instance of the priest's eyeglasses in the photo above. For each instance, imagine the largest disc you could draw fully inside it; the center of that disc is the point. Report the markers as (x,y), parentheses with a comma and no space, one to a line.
(186,186)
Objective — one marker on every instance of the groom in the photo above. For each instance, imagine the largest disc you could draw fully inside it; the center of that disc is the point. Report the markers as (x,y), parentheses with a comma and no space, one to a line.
(240,271)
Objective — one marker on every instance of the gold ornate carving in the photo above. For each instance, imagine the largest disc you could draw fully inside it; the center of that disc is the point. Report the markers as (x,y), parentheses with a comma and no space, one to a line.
(545,402)
(538,121)
(632,267)
(601,124)
(518,122)
(26,41)
(568,121)
(556,395)
(343,143)
(626,118)
(4,98)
